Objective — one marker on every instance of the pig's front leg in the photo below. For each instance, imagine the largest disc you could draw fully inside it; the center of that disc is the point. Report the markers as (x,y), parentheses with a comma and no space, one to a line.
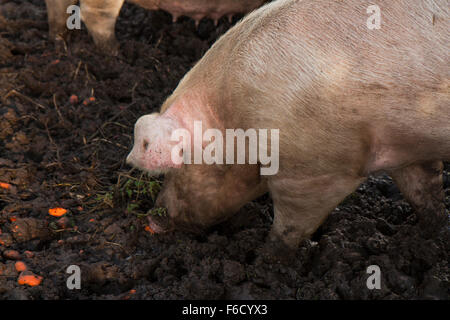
(301,204)
(57,17)
(100,18)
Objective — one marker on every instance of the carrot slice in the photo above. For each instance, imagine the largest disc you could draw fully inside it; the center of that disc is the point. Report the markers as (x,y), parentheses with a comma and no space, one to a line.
(57,212)
(20,266)
(73,99)
(29,278)
(5,185)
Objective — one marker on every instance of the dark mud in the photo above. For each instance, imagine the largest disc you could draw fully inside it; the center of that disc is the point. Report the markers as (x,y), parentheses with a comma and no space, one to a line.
(57,150)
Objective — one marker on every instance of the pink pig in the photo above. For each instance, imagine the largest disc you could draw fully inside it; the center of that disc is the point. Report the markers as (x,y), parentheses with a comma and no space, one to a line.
(348,101)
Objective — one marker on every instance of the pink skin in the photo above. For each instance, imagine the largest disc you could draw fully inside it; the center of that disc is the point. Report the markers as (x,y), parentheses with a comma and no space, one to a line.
(348,104)
(152,153)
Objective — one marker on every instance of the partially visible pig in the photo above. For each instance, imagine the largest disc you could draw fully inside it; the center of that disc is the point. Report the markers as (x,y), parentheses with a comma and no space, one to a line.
(348,101)
(100,15)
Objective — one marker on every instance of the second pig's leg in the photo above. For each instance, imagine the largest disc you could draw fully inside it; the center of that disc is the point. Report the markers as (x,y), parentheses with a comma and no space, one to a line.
(100,18)
(57,17)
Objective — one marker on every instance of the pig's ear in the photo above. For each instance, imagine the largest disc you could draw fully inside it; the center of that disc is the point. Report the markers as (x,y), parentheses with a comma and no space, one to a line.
(153,147)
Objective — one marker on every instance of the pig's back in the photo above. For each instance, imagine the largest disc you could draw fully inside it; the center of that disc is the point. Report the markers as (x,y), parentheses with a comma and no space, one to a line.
(315,43)
(314,69)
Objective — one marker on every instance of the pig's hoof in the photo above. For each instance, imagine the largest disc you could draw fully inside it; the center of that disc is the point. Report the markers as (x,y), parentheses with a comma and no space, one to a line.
(60,45)
(57,34)
(108,47)
(60,40)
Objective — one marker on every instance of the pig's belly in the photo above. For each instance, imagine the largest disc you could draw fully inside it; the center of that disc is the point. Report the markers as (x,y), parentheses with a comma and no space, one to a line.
(198,9)
(391,150)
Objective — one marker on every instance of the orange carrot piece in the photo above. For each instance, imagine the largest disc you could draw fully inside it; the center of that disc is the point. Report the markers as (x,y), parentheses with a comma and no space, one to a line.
(29,278)
(5,185)
(20,266)
(57,212)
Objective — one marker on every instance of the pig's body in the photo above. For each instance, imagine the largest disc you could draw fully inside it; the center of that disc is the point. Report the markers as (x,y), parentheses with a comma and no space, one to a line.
(348,101)
(100,15)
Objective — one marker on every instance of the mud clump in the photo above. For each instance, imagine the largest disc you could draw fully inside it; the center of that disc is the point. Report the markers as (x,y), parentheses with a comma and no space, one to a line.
(27,229)
(58,151)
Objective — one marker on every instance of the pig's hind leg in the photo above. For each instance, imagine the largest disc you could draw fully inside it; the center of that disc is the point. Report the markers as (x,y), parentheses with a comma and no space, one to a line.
(422,186)
(100,18)
(301,204)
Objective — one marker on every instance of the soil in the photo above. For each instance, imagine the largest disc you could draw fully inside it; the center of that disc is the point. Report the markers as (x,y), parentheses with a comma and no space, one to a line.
(66,123)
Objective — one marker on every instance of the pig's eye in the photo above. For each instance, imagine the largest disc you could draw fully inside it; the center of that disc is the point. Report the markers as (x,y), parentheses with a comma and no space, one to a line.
(145,145)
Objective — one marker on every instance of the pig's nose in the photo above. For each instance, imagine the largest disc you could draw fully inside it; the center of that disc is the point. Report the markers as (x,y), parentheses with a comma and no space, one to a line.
(130,159)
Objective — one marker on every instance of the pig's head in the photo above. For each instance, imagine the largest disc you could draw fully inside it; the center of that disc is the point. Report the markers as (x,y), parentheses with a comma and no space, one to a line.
(196,196)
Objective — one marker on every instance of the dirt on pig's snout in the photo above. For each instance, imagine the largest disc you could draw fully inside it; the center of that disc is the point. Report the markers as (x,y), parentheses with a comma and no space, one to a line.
(66,125)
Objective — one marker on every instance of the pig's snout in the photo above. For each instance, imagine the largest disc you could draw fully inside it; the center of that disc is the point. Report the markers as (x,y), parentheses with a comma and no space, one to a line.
(131,159)
(134,159)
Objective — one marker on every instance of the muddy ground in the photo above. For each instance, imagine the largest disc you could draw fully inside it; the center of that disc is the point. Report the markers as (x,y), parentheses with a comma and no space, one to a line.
(66,121)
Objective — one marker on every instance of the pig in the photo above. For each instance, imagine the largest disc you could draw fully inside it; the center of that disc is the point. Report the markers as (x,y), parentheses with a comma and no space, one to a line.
(349,101)
(100,15)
